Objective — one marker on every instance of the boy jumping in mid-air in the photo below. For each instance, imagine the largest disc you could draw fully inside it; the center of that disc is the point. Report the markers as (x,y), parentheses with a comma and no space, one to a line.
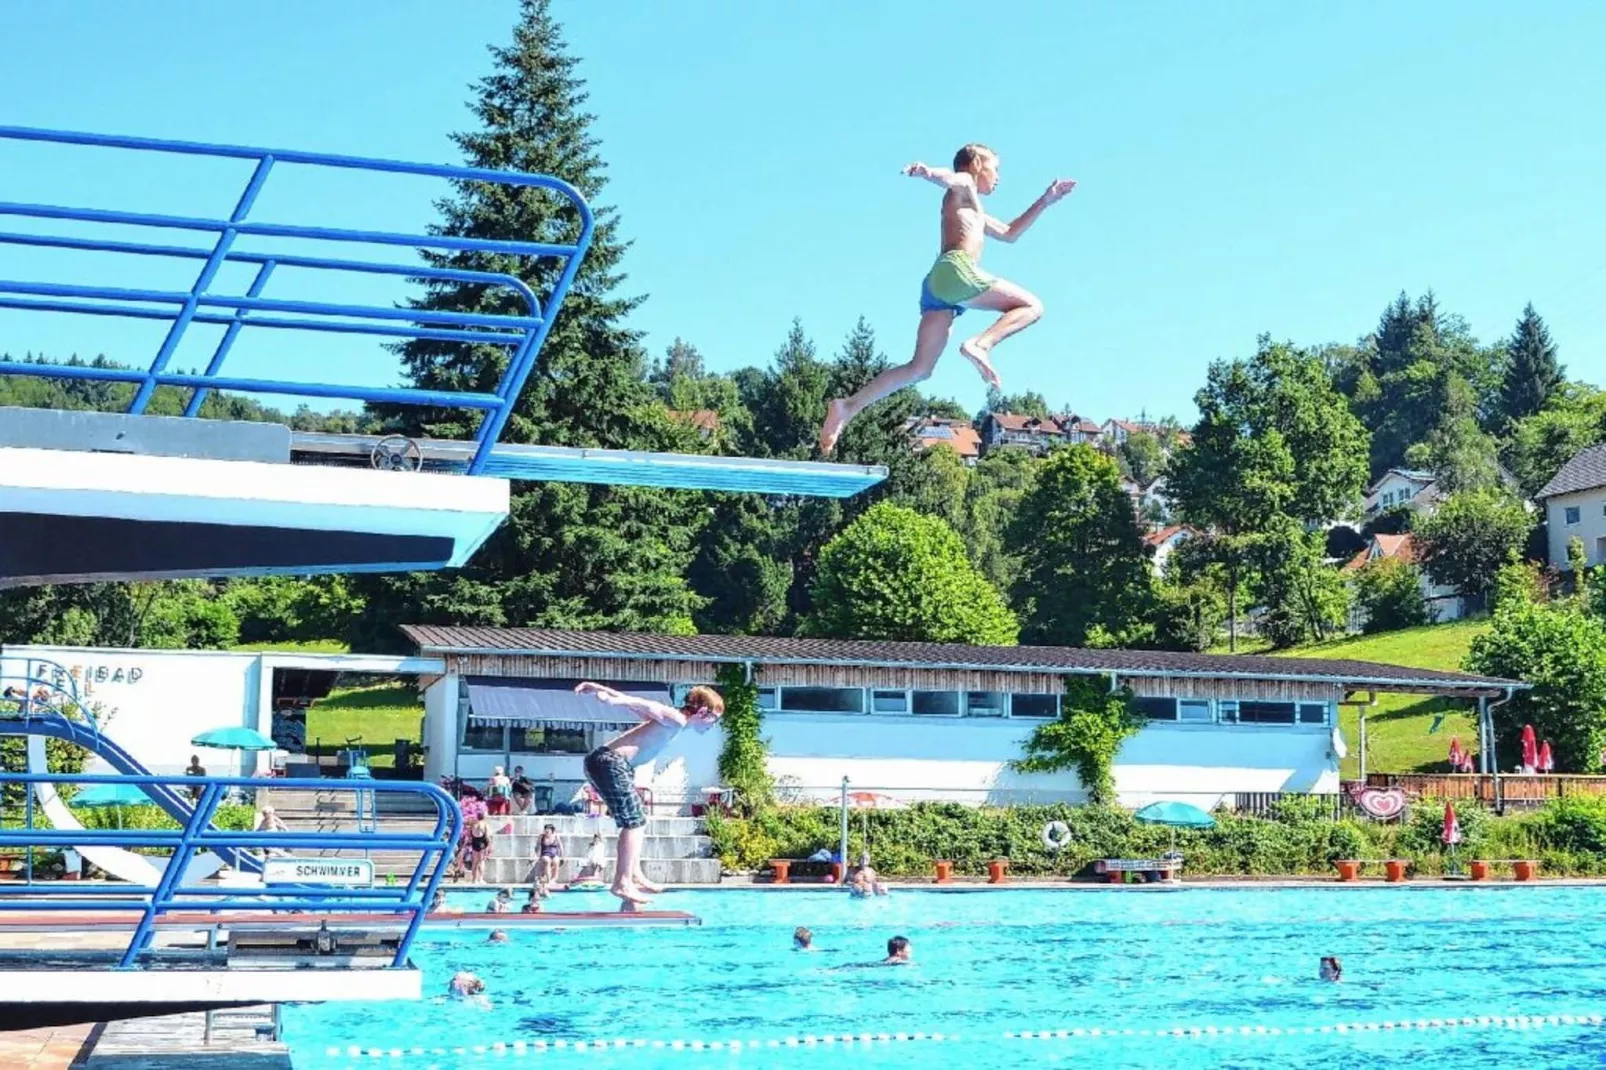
(611,768)
(957,282)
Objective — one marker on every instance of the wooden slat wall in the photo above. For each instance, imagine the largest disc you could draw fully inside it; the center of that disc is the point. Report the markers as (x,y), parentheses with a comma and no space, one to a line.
(1514,787)
(896,677)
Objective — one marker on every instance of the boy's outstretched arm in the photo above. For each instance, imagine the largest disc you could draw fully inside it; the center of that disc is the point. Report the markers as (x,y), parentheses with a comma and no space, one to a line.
(645,708)
(1009,232)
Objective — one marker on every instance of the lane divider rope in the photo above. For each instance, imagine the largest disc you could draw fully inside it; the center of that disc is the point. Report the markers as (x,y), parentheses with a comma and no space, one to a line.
(813,1040)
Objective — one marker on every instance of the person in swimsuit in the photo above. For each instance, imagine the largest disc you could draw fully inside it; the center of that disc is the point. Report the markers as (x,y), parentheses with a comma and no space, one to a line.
(611,769)
(479,848)
(551,854)
(501,792)
(957,282)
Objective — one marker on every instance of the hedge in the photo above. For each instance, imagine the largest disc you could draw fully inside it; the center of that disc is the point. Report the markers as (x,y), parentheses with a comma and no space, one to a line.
(1568,837)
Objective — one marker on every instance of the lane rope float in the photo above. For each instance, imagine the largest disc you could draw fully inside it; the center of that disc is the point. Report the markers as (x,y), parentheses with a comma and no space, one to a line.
(519,1048)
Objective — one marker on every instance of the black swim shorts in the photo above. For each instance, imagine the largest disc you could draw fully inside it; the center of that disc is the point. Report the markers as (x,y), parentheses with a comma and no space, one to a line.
(615,781)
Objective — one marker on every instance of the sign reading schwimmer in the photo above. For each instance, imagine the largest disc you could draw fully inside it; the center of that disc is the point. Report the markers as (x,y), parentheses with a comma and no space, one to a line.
(354,871)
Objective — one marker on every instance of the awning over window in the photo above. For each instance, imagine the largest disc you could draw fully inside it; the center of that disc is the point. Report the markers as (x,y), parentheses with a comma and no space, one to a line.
(525,703)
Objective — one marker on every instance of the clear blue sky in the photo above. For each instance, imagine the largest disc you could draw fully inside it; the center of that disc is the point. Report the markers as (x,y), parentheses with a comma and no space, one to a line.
(1245,167)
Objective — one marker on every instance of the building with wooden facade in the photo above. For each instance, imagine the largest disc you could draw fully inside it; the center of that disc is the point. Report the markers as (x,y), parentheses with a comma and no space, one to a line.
(908,720)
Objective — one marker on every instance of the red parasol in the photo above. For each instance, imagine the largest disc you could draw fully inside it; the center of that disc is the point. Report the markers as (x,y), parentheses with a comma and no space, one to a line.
(1452,827)
(1456,754)
(1546,762)
(1530,749)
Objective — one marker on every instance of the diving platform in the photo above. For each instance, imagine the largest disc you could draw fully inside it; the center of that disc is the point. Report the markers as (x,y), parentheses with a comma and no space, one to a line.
(124,492)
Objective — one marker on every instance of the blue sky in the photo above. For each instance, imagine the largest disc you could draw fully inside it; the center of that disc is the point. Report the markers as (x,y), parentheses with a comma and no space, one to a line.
(1245,166)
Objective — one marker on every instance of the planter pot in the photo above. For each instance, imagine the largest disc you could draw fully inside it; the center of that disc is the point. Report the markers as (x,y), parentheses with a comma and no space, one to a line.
(1524,870)
(1348,869)
(995,870)
(1478,871)
(945,872)
(1394,869)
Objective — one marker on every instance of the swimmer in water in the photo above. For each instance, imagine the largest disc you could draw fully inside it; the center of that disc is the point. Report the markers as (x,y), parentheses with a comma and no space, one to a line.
(899,952)
(1332,969)
(802,939)
(465,985)
(497,937)
(611,769)
(956,283)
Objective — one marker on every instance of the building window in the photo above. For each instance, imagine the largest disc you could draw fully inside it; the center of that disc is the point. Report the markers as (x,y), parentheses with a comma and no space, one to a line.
(889,702)
(1571,514)
(822,699)
(1034,706)
(935,703)
(484,737)
(768,700)
(1157,709)
(546,740)
(1313,713)
(1265,712)
(1194,710)
(984,703)
(1187,710)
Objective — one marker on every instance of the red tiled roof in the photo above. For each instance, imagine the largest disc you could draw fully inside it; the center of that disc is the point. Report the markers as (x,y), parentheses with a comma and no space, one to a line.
(1156,538)
(435,639)
(702,419)
(959,435)
(1011,421)
(1402,547)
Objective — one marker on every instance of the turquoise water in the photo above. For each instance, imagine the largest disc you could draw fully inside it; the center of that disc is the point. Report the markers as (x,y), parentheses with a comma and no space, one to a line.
(988,964)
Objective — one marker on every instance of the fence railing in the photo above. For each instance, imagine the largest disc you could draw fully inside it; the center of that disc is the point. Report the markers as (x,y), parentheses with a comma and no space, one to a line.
(1514,787)
(522,333)
(408,900)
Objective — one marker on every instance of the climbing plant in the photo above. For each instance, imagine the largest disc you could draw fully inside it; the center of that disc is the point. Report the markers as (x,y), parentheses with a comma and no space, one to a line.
(1093,723)
(743,764)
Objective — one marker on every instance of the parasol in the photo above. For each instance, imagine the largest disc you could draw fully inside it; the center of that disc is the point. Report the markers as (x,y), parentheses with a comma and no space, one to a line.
(1530,749)
(1547,763)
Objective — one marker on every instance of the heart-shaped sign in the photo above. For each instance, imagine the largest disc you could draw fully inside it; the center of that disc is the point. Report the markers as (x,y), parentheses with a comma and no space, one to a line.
(1382,803)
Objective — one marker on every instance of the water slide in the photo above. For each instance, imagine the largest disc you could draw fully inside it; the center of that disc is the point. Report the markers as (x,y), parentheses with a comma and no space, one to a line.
(122,864)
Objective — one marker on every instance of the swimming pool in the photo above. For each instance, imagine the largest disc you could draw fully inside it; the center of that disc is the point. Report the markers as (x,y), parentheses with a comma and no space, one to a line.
(1422,966)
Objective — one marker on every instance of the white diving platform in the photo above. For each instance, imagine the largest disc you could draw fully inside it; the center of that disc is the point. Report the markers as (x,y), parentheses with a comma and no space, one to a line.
(561,464)
(76,516)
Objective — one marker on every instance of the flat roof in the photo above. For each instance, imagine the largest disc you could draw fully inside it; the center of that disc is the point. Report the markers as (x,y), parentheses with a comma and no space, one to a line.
(635,646)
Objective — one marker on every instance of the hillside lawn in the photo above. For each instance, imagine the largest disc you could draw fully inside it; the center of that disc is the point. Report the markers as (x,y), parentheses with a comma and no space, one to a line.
(1397,727)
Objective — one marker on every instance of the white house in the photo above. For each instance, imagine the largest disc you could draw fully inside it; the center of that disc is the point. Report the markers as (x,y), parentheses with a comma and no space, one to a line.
(909,720)
(1160,544)
(1036,433)
(1575,505)
(1444,602)
(1398,487)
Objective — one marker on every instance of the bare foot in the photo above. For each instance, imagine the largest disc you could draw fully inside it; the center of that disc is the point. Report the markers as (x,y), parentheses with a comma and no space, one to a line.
(836,417)
(628,892)
(976,353)
(628,907)
(648,886)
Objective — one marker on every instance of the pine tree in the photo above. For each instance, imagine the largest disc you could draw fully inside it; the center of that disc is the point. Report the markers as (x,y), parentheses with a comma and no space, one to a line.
(570,555)
(1532,374)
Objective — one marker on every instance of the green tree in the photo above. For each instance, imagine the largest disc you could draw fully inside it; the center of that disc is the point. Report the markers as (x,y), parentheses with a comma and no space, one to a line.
(1533,374)
(1029,403)
(742,569)
(1304,599)
(1082,565)
(935,484)
(992,500)
(1142,457)
(1389,594)
(895,574)
(1560,649)
(570,555)
(1573,419)
(1471,535)
(1275,441)
(1094,721)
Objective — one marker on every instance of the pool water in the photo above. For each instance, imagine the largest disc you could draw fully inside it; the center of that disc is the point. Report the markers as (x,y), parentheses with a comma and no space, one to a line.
(989,966)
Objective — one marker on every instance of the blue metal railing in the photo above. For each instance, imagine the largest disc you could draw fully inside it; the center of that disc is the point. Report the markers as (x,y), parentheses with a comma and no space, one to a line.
(171,895)
(523,334)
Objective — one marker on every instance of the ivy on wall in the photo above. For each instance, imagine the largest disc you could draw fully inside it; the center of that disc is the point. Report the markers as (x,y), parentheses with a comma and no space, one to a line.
(1093,723)
(743,762)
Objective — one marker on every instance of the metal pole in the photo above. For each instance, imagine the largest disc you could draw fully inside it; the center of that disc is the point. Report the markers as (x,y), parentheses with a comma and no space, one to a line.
(1362,711)
(844,825)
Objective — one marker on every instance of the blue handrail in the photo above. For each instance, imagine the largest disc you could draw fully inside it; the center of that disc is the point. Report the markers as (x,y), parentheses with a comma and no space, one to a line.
(523,335)
(172,895)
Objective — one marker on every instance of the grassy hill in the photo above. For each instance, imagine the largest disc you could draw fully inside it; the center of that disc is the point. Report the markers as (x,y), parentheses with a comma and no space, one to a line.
(1397,727)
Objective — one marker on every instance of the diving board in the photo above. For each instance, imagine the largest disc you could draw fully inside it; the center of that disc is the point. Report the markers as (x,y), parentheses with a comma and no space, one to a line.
(688,471)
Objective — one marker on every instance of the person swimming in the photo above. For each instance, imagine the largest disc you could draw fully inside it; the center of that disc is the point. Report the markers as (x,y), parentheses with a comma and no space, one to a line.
(802,939)
(465,984)
(1332,969)
(497,937)
(899,952)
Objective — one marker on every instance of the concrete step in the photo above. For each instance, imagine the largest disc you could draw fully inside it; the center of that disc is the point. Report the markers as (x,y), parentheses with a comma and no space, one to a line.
(306,800)
(579,825)
(512,871)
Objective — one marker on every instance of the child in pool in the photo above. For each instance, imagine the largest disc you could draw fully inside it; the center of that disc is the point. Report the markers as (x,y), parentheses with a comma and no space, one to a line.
(957,282)
(611,768)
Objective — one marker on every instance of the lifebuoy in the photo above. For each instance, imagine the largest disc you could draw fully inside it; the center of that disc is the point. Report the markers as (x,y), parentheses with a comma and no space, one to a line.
(1056,834)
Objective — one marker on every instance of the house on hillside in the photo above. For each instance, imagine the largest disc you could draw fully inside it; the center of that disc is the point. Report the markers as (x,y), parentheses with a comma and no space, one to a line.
(910,720)
(1079,430)
(1036,433)
(706,421)
(928,431)
(1410,488)
(1114,432)
(1160,544)
(1575,505)
(1443,601)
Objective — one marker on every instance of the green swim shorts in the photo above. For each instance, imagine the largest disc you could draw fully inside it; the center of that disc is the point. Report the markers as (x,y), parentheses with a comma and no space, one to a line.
(954,279)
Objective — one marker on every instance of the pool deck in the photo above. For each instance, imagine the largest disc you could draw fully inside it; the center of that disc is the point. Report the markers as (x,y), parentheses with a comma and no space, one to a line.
(966,885)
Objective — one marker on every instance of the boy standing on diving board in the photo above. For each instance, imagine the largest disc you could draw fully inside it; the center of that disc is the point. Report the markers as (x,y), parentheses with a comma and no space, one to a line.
(611,768)
(957,282)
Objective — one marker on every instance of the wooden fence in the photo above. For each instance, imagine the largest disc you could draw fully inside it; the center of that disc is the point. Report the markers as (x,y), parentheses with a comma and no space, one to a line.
(1516,788)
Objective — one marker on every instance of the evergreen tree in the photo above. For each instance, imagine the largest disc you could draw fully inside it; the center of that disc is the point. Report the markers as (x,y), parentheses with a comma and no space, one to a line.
(1532,372)
(570,555)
